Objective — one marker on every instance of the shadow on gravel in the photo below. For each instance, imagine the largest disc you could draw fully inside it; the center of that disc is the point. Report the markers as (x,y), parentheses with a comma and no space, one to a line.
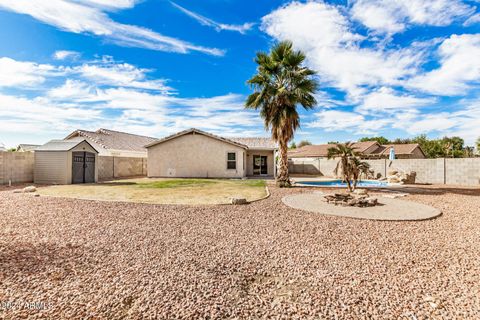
(440,190)
(26,259)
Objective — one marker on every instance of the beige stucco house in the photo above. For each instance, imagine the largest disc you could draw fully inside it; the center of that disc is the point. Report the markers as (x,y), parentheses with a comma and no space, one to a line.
(196,153)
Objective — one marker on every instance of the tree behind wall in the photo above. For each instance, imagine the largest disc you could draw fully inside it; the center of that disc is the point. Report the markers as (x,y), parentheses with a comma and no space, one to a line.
(304,143)
(380,139)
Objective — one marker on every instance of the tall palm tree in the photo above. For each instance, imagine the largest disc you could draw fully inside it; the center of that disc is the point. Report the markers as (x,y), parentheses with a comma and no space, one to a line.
(346,152)
(280,85)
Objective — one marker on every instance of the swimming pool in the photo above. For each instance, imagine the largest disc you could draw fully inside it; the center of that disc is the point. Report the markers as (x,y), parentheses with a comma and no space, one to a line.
(339,183)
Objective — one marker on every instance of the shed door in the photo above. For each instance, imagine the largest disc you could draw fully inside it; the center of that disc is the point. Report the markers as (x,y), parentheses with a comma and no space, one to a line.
(83,168)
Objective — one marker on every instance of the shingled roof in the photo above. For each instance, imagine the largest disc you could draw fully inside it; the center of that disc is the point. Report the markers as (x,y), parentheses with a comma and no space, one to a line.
(256,142)
(247,143)
(367,148)
(114,140)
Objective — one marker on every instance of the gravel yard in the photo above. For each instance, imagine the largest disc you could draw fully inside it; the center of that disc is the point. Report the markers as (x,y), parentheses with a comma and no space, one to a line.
(72,259)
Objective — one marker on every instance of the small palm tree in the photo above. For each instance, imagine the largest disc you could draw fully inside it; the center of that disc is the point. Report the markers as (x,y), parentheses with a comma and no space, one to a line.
(358,168)
(280,85)
(478,145)
(346,152)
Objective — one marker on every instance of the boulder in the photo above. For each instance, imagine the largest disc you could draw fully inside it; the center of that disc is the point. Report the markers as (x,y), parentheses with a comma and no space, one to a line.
(409,178)
(393,179)
(361,191)
(29,189)
(18,191)
(238,201)
(392,172)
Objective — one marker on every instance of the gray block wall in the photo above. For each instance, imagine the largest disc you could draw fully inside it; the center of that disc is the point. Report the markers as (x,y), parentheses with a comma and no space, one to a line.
(459,171)
(16,167)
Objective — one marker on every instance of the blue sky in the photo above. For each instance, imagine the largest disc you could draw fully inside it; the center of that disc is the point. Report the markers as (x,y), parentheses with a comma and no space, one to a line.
(154,67)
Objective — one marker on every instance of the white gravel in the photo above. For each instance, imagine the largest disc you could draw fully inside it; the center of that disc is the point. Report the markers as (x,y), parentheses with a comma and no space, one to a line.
(74,259)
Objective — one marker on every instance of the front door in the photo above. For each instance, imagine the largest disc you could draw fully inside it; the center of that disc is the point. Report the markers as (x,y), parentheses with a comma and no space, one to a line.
(83,167)
(260,165)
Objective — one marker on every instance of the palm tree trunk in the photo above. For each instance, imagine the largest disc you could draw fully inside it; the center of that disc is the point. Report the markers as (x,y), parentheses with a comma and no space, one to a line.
(283,179)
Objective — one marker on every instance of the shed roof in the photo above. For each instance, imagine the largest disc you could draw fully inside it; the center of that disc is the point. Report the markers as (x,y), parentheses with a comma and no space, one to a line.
(28,147)
(62,145)
(114,140)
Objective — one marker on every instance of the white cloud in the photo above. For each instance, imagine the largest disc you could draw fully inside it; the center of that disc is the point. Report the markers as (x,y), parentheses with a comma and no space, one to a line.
(392,16)
(472,20)
(459,67)
(243,28)
(74,91)
(324,34)
(65,54)
(105,93)
(17,73)
(111,4)
(120,74)
(335,120)
(463,123)
(79,17)
(387,100)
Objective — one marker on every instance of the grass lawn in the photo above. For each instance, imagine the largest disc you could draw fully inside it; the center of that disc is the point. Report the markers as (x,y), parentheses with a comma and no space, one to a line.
(163,191)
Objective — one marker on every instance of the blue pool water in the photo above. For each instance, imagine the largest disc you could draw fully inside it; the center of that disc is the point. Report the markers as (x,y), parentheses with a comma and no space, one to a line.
(339,183)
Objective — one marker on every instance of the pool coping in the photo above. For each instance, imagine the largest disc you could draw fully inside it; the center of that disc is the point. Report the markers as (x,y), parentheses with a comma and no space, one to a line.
(299,184)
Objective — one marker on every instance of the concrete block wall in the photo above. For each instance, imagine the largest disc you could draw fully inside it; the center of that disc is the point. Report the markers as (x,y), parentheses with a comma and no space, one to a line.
(428,170)
(466,172)
(459,171)
(16,167)
(121,167)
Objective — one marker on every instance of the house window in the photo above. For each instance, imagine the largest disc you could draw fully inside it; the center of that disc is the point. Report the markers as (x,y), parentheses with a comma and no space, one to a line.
(231,160)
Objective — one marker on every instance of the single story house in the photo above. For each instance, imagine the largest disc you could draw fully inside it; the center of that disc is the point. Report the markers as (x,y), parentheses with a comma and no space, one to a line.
(27,147)
(367,150)
(66,162)
(194,153)
(114,143)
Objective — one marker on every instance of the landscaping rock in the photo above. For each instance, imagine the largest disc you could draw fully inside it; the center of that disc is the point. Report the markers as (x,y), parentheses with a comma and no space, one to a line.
(29,189)
(351,199)
(18,191)
(238,201)
(361,191)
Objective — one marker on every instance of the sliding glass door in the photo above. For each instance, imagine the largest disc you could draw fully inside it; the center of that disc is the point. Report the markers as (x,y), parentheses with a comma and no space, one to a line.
(260,165)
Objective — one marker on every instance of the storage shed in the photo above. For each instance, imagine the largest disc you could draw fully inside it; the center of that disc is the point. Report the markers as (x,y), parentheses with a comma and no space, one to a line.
(66,162)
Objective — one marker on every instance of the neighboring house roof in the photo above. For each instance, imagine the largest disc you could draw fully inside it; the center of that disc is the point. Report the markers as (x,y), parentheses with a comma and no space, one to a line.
(310,151)
(62,145)
(247,143)
(365,145)
(365,148)
(27,147)
(256,142)
(400,149)
(193,130)
(114,140)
